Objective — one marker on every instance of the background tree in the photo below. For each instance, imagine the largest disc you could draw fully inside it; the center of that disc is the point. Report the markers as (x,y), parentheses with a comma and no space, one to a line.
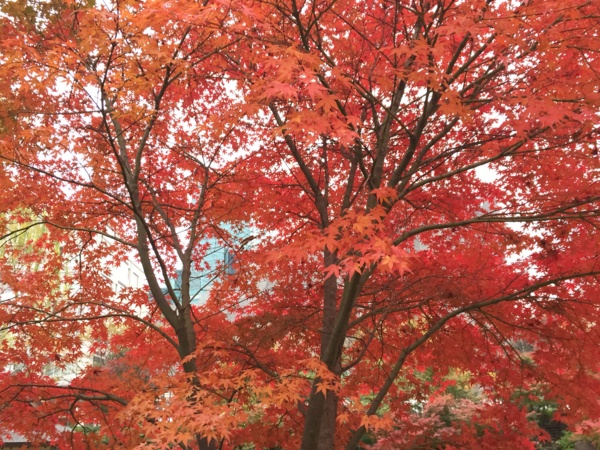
(120,129)
(422,177)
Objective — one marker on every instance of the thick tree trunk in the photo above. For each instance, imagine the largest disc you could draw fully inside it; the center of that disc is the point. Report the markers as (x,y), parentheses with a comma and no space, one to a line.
(320,424)
(186,337)
(332,349)
(312,423)
(327,429)
(328,423)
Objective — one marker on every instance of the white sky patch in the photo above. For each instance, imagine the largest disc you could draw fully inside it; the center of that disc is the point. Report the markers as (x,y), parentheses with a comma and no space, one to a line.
(486,174)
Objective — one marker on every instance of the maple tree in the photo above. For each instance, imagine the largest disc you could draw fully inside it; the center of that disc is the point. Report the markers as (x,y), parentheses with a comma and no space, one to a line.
(421,181)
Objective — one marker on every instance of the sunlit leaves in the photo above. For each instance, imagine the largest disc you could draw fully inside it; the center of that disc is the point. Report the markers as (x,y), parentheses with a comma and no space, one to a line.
(421,180)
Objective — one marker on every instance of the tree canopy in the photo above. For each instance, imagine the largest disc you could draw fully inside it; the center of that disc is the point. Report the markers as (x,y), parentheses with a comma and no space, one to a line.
(421,179)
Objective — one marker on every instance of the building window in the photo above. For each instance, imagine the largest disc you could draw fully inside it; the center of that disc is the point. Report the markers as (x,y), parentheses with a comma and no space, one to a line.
(229,259)
(118,287)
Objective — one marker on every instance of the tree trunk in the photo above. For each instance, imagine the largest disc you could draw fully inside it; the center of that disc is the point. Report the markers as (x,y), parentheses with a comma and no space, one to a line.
(205,445)
(326,440)
(328,423)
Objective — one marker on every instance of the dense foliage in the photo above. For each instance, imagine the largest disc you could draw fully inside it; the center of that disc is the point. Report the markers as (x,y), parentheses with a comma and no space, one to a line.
(420,179)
